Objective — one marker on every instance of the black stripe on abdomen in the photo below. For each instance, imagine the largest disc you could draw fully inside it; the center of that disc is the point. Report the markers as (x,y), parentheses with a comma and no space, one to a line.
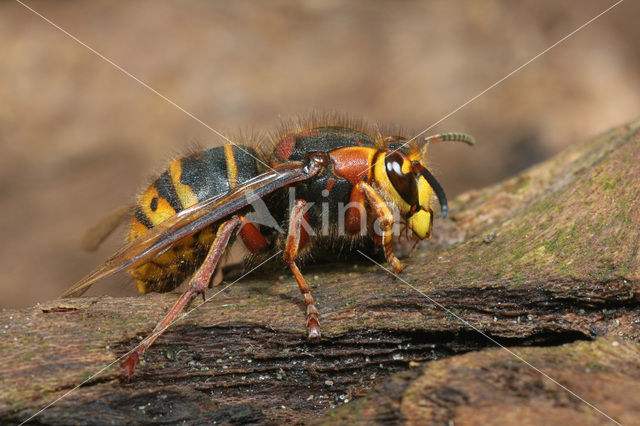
(142,217)
(245,159)
(205,172)
(166,190)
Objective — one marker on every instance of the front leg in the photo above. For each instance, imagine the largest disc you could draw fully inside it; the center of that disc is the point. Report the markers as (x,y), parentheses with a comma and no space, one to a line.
(385,218)
(296,239)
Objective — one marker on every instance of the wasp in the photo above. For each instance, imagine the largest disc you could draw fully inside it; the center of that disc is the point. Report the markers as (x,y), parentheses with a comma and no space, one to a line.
(348,183)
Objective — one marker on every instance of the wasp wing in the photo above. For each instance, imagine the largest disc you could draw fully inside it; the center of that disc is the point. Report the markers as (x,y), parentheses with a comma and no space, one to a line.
(192,219)
(100,231)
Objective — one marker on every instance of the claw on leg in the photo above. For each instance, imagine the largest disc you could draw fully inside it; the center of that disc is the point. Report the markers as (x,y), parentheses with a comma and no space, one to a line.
(129,364)
(313,325)
(397,265)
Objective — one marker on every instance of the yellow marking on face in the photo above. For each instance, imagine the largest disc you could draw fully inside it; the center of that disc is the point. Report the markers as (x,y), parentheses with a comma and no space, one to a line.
(150,199)
(424,193)
(185,193)
(420,224)
(232,168)
(406,166)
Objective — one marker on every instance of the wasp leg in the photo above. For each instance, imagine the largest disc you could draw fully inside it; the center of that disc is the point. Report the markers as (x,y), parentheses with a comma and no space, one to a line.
(382,212)
(296,238)
(198,284)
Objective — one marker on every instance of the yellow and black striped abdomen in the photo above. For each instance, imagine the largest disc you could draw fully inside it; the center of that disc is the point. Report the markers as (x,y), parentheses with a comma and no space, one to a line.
(188,180)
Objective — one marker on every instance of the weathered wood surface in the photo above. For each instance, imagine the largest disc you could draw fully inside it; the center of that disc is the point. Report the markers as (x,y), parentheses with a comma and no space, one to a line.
(548,260)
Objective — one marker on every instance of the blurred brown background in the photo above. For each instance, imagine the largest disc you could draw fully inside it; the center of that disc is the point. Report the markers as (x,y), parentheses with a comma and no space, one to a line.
(79,137)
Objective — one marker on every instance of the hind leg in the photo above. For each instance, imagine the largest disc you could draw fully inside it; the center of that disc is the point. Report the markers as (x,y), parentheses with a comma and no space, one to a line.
(198,284)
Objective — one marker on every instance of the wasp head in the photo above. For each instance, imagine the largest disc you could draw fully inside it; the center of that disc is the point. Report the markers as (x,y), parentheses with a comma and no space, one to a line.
(402,179)
(405,179)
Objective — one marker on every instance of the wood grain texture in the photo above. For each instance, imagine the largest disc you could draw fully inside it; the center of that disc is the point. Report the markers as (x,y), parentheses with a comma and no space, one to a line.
(546,263)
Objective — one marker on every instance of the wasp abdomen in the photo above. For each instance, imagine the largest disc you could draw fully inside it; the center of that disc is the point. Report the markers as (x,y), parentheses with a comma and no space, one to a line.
(196,177)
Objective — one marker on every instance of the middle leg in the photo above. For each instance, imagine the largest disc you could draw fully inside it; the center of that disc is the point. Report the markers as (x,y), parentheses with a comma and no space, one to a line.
(296,238)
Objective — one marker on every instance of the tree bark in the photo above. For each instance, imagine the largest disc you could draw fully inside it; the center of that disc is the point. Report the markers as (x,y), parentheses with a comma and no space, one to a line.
(546,264)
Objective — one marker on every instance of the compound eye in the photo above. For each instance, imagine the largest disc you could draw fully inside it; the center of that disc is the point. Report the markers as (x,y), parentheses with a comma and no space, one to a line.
(404,183)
